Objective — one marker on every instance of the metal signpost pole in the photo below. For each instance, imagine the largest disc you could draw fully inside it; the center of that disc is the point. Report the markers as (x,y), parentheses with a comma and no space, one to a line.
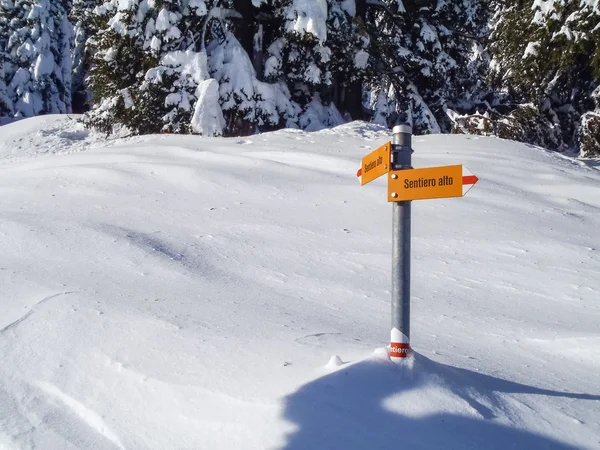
(404,185)
(400,335)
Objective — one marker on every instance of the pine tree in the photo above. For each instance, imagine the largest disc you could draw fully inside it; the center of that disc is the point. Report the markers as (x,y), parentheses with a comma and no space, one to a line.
(118,63)
(154,60)
(84,26)
(350,62)
(588,134)
(143,77)
(318,50)
(423,56)
(37,68)
(6,105)
(248,104)
(295,54)
(547,53)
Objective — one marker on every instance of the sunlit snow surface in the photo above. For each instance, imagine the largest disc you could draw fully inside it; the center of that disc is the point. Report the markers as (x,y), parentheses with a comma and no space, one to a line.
(168,292)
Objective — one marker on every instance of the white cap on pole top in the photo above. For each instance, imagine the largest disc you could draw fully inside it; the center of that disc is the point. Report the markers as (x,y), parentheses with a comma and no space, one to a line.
(402,129)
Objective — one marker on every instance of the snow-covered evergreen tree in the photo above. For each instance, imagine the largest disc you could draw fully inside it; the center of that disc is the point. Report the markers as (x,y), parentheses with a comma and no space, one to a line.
(118,65)
(424,55)
(6,106)
(250,101)
(317,49)
(294,50)
(7,68)
(547,53)
(588,134)
(145,69)
(248,104)
(37,68)
(152,60)
(531,73)
(84,26)
(350,62)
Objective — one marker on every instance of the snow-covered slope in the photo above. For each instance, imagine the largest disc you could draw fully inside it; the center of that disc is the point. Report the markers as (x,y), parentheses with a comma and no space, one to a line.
(189,293)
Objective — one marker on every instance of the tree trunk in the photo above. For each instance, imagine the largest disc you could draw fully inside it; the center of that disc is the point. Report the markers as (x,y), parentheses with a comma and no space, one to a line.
(352,95)
(244,27)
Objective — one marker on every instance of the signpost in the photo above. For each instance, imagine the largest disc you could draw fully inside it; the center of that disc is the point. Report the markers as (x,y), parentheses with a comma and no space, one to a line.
(404,185)
(431,182)
(375,164)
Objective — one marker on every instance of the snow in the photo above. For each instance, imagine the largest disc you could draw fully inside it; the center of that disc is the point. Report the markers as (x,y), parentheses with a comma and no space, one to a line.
(317,116)
(54,134)
(272,66)
(126,5)
(542,8)
(428,34)
(6,120)
(312,74)
(208,119)
(110,54)
(155,44)
(26,50)
(361,59)
(349,6)
(194,292)
(532,49)
(189,64)
(142,9)
(44,66)
(37,64)
(163,22)
(239,89)
(308,16)
(173,33)
(173,99)
(127,99)
(199,6)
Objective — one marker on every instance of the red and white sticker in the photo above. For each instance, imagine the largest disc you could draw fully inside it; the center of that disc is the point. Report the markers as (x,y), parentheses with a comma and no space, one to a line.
(399,350)
(399,345)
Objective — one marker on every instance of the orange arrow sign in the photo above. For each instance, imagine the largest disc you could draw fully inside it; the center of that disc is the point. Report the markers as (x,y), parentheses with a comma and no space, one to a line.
(375,164)
(429,182)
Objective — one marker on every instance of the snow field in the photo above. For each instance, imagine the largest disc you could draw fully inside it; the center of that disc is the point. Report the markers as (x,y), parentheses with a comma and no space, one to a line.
(187,292)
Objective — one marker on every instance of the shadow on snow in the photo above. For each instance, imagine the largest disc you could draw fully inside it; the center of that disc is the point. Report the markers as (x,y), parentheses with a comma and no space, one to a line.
(345,410)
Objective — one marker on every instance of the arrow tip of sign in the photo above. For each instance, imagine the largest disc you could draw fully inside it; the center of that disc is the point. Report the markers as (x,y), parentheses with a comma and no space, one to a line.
(469,179)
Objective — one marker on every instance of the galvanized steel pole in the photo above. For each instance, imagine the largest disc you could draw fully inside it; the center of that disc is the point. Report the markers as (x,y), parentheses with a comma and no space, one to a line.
(401,233)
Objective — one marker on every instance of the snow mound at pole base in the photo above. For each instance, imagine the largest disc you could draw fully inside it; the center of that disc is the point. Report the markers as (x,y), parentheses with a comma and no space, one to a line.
(417,404)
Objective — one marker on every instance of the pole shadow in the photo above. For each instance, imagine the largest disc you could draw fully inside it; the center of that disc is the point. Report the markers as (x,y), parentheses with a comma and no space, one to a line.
(345,410)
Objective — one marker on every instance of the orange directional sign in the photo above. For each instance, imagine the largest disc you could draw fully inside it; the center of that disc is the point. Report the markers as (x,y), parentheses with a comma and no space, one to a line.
(375,164)
(430,182)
